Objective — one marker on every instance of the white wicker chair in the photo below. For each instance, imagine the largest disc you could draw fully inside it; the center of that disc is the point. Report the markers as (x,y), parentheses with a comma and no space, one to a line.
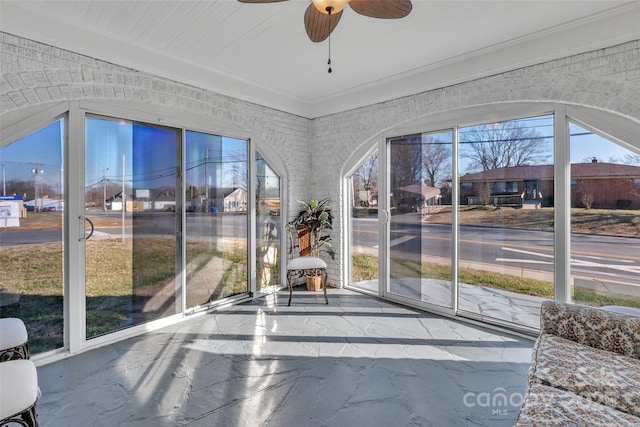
(13,340)
(18,393)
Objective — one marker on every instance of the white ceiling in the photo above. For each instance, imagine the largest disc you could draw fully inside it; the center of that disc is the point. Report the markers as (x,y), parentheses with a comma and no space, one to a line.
(261,53)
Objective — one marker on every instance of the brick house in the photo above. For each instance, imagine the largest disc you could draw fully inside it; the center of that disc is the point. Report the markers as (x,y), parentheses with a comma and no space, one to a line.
(605,185)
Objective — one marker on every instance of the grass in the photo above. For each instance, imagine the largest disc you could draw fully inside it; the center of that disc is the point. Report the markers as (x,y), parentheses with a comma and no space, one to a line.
(365,267)
(592,221)
(122,279)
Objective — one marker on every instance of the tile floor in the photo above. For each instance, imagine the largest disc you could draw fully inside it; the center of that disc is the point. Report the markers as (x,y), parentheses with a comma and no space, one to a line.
(358,361)
(519,309)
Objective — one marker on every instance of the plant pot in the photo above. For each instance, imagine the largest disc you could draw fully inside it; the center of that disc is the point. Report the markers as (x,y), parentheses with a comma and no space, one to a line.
(314,283)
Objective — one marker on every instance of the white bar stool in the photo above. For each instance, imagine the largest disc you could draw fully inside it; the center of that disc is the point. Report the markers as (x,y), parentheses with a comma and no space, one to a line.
(18,393)
(13,339)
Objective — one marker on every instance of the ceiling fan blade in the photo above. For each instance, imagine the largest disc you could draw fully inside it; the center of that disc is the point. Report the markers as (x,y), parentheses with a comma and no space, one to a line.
(260,1)
(386,9)
(319,25)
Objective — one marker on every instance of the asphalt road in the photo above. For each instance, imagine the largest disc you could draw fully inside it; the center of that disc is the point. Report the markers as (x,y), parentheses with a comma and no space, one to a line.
(605,258)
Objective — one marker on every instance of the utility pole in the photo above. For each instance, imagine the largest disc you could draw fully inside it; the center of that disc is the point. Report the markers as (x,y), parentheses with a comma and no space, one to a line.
(104,188)
(206,177)
(4,180)
(36,171)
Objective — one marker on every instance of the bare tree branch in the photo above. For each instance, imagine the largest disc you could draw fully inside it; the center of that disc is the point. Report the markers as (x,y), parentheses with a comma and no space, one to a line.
(504,144)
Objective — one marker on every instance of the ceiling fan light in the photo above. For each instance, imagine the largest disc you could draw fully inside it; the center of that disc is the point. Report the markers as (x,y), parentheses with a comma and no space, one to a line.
(334,5)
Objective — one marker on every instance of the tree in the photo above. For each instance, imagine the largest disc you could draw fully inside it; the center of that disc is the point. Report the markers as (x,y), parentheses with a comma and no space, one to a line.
(586,194)
(406,164)
(435,156)
(632,159)
(484,193)
(367,176)
(501,145)
(21,187)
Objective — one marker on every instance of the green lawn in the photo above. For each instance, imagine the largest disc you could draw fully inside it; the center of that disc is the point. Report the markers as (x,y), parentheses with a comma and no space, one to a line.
(365,267)
(122,278)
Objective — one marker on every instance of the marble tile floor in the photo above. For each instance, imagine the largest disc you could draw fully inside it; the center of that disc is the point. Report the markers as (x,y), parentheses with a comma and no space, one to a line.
(358,361)
(495,303)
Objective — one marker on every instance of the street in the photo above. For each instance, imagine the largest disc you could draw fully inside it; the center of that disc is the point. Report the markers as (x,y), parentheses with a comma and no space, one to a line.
(606,258)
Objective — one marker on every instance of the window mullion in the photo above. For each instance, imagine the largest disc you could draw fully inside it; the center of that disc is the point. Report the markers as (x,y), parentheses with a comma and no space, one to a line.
(75,302)
(562,203)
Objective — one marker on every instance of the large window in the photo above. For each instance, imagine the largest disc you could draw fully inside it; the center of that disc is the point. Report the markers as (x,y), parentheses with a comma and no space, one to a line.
(605,220)
(364,189)
(268,224)
(490,219)
(544,209)
(141,224)
(506,220)
(32,234)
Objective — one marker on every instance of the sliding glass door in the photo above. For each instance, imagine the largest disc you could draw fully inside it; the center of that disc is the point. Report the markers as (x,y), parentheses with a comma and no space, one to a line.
(216,218)
(420,223)
(109,223)
(130,204)
(488,220)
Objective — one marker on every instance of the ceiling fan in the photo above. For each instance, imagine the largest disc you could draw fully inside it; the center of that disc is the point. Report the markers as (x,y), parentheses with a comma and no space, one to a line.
(322,16)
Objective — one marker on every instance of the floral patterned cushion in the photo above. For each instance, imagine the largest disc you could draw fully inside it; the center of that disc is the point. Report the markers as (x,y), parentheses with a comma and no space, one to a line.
(548,406)
(602,376)
(591,326)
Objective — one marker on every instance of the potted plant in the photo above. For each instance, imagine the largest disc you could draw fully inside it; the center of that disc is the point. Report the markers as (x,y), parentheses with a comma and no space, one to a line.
(309,224)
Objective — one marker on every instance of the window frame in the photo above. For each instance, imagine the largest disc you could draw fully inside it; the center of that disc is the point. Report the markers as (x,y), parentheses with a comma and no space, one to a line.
(22,122)
(609,124)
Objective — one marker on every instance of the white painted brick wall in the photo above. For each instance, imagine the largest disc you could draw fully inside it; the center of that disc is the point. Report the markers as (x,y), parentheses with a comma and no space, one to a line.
(33,73)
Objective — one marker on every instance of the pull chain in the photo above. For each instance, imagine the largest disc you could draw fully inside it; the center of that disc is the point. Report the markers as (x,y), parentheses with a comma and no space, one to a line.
(329,9)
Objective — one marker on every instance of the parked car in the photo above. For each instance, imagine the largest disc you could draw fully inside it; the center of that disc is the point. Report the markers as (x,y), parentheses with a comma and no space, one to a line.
(409,204)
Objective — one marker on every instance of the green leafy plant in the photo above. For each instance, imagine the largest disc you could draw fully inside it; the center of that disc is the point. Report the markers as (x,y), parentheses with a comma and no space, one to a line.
(317,215)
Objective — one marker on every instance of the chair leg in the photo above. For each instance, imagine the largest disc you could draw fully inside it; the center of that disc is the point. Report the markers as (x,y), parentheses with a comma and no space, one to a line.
(31,417)
(290,287)
(324,286)
(27,418)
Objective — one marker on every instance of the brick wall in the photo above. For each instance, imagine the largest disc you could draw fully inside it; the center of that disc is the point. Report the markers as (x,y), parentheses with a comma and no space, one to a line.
(33,74)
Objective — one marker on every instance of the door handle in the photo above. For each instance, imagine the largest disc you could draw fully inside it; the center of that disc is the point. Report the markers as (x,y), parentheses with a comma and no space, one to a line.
(386,215)
(83,229)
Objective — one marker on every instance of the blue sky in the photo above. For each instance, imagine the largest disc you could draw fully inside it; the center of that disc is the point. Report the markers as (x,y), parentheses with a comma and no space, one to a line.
(591,145)
(42,149)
